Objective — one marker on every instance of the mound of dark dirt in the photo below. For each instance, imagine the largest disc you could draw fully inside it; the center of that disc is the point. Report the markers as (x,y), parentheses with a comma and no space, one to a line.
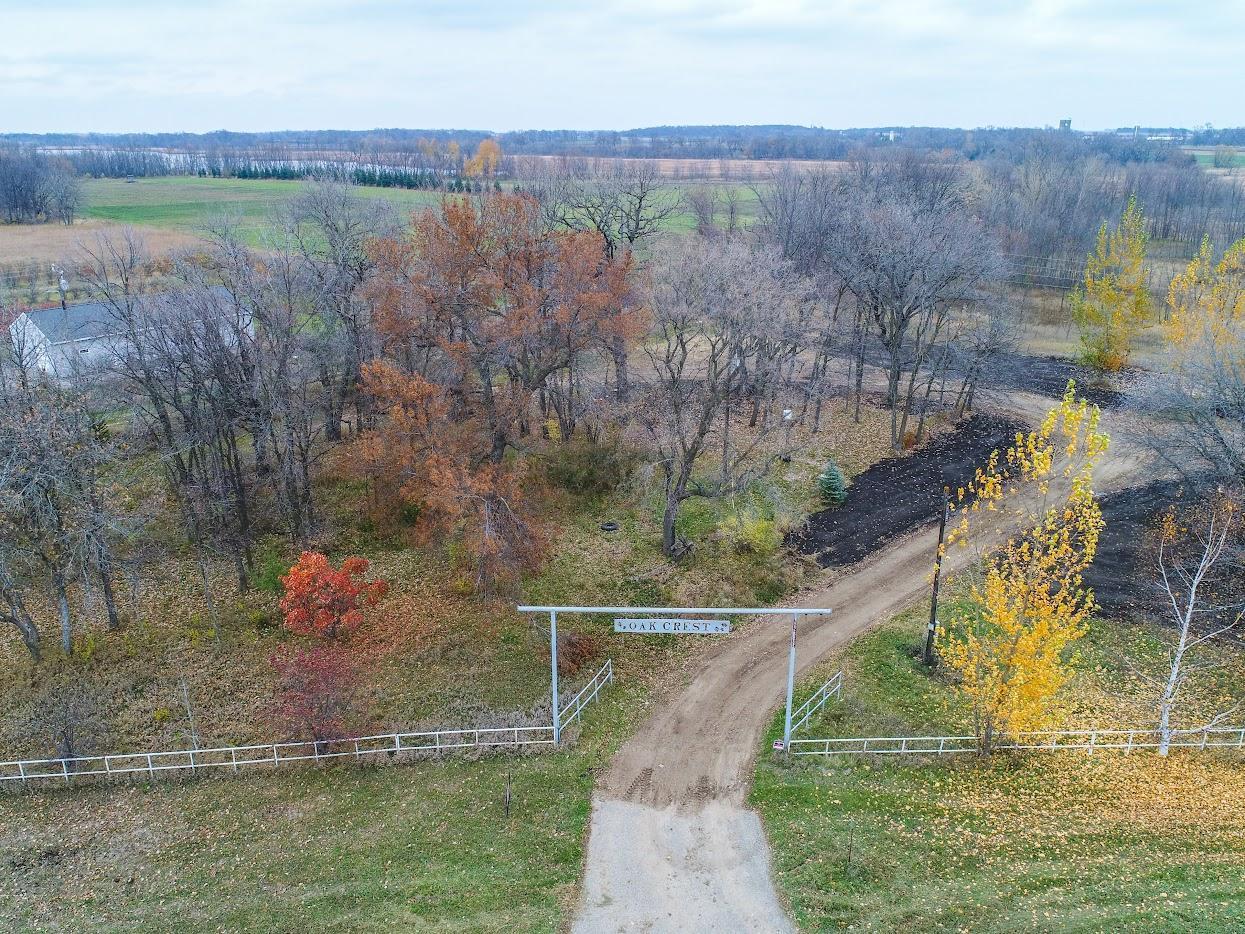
(898,494)
(1123,573)
(1048,376)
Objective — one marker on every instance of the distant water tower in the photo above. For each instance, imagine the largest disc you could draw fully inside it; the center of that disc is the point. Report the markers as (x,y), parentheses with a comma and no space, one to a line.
(1065,125)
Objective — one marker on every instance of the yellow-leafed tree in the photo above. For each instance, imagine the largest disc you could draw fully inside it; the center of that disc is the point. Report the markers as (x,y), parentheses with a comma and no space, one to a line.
(1206,302)
(486,161)
(1113,303)
(1009,641)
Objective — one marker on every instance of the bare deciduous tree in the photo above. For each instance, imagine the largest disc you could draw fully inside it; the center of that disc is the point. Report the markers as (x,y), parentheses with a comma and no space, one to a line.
(625,205)
(1196,559)
(729,315)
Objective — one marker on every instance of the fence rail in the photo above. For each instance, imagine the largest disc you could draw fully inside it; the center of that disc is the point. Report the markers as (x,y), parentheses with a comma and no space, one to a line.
(587,694)
(833,687)
(1232,737)
(359,748)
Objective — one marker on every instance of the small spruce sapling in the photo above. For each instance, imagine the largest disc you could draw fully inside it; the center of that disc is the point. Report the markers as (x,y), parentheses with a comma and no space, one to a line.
(832,485)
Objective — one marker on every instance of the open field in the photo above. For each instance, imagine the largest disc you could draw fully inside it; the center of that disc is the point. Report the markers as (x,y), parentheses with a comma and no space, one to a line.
(1206,157)
(41,243)
(1060,841)
(684,170)
(188,204)
(185,205)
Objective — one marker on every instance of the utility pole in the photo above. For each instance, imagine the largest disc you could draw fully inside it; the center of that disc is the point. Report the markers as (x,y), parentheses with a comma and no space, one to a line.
(932,631)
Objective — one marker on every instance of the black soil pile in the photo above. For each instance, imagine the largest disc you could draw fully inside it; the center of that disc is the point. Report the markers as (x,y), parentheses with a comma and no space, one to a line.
(1123,575)
(899,494)
(1048,376)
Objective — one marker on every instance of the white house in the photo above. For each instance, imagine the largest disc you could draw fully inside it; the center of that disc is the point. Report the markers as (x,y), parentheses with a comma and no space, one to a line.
(62,341)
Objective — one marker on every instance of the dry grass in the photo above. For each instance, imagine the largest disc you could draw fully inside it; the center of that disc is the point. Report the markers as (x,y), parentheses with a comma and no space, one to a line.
(44,243)
(683,169)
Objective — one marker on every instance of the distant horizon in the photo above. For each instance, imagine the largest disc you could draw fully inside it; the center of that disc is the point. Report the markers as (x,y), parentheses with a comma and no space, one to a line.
(1190,127)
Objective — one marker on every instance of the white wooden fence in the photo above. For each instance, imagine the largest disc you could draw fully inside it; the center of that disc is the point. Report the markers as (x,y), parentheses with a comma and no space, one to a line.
(1231,737)
(359,748)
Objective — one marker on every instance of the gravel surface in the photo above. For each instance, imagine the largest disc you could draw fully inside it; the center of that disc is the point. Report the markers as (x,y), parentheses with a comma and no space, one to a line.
(662,870)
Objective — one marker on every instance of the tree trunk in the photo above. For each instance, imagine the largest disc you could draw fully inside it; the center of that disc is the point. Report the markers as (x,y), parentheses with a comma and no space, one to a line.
(622,387)
(27,629)
(104,570)
(671,513)
(211,601)
(62,610)
(860,370)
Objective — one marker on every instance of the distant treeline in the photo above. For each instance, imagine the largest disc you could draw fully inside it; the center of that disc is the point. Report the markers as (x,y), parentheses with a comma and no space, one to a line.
(414,171)
(693,142)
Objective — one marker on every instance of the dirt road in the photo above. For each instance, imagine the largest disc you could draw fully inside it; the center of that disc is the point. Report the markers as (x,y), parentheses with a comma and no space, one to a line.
(672,847)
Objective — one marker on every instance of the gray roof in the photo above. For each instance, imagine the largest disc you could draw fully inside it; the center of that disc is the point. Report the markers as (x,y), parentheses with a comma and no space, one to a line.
(86,320)
(82,321)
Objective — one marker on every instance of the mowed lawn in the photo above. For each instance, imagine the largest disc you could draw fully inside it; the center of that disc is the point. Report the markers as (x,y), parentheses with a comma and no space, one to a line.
(1042,842)
(191,204)
(390,848)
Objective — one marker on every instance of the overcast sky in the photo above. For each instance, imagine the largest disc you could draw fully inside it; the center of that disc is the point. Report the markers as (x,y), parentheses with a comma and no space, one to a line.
(137,65)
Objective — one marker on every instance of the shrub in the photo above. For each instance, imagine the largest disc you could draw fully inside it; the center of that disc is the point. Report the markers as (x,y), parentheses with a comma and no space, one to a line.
(577,649)
(316,692)
(271,565)
(321,600)
(832,485)
(590,468)
(752,533)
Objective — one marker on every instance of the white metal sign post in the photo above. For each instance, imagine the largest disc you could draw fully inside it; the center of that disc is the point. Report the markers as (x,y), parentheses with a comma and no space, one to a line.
(644,619)
(786,729)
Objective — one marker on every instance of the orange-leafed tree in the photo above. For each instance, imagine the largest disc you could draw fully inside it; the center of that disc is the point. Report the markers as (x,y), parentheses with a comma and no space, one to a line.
(488,302)
(321,600)
(420,457)
(487,317)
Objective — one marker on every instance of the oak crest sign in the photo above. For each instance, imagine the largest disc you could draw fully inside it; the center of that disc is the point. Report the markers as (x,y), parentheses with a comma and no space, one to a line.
(651,622)
(674,626)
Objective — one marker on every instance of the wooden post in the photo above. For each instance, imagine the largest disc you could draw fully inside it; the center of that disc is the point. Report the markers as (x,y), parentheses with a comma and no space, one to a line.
(931,632)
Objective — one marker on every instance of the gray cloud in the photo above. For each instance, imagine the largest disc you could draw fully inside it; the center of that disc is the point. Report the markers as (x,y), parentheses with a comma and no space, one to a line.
(268,64)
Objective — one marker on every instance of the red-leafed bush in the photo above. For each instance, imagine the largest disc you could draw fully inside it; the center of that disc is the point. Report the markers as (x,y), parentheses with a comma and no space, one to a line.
(324,601)
(316,693)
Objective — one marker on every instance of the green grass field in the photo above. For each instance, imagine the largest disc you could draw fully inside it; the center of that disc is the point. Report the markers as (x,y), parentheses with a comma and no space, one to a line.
(1052,841)
(404,848)
(1206,158)
(188,204)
